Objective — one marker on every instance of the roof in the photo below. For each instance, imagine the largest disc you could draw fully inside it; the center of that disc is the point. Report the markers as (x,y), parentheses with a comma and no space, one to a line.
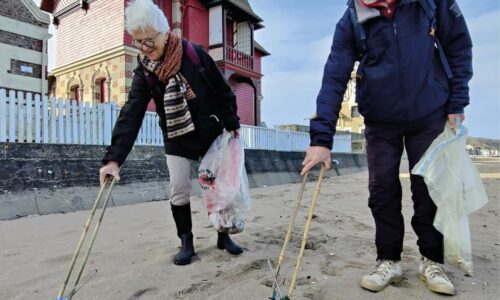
(261,49)
(36,12)
(242,5)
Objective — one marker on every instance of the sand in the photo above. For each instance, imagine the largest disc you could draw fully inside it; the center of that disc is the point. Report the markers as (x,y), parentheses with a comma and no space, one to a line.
(134,249)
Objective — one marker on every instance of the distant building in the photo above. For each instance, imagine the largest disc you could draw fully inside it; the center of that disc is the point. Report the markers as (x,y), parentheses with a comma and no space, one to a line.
(24,31)
(293,127)
(95,58)
(349,118)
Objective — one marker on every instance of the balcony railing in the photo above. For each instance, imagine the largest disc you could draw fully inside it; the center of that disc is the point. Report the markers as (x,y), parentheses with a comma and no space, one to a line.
(239,58)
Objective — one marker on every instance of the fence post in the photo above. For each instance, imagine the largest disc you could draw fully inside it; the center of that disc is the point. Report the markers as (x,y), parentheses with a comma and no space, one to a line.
(88,126)
(67,116)
(94,121)
(289,134)
(20,117)
(12,116)
(53,120)
(3,115)
(38,128)
(60,112)
(81,123)
(276,140)
(100,120)
(74,123)
(29,118)
(107,123)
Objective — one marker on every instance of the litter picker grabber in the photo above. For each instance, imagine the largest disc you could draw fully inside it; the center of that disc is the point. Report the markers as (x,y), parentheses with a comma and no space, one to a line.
(107,183)
(275,288)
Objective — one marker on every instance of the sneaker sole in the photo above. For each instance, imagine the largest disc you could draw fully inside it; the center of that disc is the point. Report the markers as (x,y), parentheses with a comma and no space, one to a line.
(377,288)
(437,288)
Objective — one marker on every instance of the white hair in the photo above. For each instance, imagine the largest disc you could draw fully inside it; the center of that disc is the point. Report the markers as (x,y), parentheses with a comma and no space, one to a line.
(143,14)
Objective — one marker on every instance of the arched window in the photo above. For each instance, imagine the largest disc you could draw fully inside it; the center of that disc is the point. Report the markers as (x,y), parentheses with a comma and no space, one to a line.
(74,92)
(100,90)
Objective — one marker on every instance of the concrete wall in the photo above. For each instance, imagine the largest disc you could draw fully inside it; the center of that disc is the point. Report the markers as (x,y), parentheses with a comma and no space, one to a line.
(38,179)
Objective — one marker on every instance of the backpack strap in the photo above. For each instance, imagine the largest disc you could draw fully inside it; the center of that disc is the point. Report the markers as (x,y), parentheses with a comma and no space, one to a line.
(195,59)
(191,53)
(429,7)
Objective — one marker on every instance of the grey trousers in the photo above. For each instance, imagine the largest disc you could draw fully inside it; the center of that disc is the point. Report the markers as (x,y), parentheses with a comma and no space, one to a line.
(179,169)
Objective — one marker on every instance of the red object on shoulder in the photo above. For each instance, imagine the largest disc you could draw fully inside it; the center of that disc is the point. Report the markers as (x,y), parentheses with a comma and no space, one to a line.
(387,7)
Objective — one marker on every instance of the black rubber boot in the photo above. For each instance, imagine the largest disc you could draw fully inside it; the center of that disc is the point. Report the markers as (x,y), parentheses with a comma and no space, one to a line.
(225,242)
(182,218)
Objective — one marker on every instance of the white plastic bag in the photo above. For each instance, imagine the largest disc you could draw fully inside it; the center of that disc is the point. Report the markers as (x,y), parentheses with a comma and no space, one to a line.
(224,183)
(455,187)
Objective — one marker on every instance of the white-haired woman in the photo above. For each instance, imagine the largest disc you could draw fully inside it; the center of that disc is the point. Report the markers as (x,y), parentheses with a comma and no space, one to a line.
(194,104)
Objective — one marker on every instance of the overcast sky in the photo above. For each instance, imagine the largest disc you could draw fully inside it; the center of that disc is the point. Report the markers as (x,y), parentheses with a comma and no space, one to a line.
(299,34)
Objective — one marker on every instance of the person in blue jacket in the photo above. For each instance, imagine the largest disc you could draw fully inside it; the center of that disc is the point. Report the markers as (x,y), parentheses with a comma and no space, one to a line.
(415,62)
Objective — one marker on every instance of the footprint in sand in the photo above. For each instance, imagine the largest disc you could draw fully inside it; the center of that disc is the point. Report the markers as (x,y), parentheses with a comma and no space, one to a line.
(257,218)
(147,291)
(327,268)
(199,287)
(255,265)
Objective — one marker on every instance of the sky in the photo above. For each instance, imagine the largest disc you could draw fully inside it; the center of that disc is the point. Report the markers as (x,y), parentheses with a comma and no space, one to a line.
(298,34)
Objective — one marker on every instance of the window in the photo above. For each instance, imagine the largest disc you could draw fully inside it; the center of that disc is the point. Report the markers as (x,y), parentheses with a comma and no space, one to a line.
(100,90)
(229,33)
(75,93)
(243,38)
(354,112)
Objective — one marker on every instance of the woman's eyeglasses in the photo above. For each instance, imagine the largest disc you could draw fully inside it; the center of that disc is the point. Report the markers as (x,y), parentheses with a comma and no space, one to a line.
(150,43)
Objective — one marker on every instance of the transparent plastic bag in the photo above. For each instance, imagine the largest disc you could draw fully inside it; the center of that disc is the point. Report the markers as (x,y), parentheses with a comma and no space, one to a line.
(224,183)
(455,186)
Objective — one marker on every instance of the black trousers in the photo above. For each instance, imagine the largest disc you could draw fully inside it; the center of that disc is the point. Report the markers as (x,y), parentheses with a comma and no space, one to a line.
(384,150)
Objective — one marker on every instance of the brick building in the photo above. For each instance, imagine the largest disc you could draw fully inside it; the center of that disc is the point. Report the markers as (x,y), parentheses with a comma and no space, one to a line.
(23,44)
(95,58)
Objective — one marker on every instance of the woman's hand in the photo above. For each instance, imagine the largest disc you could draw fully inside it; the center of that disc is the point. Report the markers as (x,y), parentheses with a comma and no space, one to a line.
(111,168)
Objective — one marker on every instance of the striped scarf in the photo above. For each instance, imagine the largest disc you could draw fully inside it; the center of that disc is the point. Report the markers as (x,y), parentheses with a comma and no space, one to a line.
(177,89)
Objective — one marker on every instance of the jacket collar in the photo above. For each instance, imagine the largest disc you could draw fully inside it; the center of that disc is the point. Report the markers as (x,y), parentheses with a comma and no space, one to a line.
(365,13)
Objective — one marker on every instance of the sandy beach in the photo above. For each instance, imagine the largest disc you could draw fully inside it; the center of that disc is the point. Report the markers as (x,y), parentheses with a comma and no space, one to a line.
(134,249)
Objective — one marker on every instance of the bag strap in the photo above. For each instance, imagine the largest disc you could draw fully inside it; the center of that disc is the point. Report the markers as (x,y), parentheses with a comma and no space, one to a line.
(429,7)
(195,59)
(191,53)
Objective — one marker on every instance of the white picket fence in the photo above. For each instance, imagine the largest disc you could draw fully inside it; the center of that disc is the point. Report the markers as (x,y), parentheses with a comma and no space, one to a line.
(27,118)
(285,140)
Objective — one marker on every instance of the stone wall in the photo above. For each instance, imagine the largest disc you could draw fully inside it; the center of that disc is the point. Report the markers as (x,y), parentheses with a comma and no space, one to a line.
(38,179)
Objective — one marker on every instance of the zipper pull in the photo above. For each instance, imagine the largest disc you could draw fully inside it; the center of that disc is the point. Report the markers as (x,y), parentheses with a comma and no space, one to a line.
(395,27)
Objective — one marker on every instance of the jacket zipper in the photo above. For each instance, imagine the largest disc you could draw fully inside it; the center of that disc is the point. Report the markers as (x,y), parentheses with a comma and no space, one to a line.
(395,28)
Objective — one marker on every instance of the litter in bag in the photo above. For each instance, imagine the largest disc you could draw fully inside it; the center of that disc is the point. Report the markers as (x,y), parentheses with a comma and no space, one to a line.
(224,183)
(455,186)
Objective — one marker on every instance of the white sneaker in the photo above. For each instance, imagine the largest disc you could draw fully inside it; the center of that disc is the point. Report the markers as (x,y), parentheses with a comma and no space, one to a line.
(434,277)
(385,273)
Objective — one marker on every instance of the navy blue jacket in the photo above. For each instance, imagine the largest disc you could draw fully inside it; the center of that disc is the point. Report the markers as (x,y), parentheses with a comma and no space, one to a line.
(400,78)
